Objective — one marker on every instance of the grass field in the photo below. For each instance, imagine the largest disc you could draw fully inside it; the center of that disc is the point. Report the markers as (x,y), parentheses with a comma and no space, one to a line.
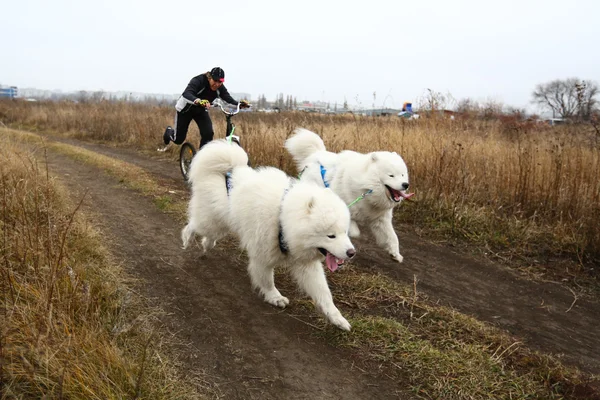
(526,193)
(57,310)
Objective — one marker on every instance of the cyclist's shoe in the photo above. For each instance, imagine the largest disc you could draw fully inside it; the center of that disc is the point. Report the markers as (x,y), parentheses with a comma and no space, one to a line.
(168,135)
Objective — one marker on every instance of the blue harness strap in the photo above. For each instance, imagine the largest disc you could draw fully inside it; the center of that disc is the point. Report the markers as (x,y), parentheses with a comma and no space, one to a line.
(323,172)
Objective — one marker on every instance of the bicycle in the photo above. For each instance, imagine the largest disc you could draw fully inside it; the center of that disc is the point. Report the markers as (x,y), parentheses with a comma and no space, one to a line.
(188,151)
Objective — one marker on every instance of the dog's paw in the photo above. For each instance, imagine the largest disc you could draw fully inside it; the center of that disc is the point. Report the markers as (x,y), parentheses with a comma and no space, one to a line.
(208,244)
(186,240)
(186,235)
(397,257)
(338,320)
(277,301)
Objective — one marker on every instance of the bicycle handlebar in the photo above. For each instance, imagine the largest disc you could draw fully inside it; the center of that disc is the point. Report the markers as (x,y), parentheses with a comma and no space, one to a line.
(219,103)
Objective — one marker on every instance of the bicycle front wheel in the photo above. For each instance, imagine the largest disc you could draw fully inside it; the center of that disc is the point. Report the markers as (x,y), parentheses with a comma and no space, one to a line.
(186,153)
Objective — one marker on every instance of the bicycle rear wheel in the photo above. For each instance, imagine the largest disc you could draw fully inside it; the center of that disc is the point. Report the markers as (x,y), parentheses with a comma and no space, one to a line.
(186,153)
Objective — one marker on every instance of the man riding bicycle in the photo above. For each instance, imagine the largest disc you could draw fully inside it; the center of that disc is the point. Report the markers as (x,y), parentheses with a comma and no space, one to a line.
(194,104)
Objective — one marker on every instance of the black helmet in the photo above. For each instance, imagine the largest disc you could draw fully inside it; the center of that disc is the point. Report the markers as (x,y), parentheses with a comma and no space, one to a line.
(218,74)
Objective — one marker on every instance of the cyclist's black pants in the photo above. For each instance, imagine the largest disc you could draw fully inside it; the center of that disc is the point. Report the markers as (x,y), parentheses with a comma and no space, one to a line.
(183,120)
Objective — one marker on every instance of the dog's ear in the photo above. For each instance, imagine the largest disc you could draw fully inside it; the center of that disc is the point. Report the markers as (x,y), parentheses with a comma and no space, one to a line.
(373,157)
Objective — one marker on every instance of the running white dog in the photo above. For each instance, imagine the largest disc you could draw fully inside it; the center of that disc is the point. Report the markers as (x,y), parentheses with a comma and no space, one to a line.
(372,184)
(279,221)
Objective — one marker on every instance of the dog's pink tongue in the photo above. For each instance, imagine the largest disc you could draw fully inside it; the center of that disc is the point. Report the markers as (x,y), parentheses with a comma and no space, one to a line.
(331,262)
(400,195)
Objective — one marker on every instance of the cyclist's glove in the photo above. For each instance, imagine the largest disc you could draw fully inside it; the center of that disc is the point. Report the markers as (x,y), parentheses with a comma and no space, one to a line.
(202,103)
(244,104)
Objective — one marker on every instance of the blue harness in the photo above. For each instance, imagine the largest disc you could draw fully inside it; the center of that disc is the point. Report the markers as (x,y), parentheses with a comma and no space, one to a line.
(323,172)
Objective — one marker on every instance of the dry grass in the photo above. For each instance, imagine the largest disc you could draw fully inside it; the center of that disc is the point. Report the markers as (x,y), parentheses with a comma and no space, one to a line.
(71,326)
(128,174)
(520,190)
(439,352)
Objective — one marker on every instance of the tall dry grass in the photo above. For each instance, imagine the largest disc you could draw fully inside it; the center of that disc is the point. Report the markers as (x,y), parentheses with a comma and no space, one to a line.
(446,354)
(515,188)
(69,325)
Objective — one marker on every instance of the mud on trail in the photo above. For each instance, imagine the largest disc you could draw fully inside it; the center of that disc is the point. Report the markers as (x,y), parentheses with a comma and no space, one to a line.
(249,349)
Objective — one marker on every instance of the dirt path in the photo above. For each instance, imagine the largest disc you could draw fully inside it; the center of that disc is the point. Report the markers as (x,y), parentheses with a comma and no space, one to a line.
(534,312)
(250,350)
(247,349)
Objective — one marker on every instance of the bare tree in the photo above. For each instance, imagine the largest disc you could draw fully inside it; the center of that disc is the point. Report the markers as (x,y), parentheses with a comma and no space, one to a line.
(467,106)
(432,101)
(567,98)
(491,108)
(82,96)
(586,102)
(97,96)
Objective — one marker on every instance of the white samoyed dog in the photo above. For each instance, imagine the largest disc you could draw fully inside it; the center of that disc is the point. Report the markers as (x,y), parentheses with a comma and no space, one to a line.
(279,221)
(371,184)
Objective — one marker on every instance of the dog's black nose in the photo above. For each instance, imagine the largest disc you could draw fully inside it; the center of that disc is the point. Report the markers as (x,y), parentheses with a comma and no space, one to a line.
(405,186)
(350,253)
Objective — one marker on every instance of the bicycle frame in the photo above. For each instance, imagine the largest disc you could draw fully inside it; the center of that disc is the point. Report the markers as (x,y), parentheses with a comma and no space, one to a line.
(228,115)
(188,151)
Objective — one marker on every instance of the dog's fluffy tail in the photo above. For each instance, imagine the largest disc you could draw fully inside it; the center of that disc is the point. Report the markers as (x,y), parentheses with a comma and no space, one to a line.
(302,145)
(216,157)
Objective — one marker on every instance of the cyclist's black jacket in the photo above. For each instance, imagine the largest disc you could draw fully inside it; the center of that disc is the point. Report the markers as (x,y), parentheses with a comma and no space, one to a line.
(199,88)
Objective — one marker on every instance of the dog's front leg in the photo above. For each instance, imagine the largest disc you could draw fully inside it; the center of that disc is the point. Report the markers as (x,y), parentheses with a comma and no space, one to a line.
(262,278)
(311,279)
(186,234)
(385,235)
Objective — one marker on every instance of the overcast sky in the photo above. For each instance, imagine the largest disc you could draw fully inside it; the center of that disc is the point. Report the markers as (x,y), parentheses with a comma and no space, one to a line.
(312,49)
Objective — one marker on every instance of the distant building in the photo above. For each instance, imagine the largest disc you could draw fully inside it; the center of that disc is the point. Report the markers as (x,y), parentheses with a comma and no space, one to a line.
(312,107)
(555,121)
(8,92)
(381,111)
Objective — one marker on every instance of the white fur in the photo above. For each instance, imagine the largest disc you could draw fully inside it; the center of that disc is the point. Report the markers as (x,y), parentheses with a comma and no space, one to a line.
(254,210)
(351,174)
